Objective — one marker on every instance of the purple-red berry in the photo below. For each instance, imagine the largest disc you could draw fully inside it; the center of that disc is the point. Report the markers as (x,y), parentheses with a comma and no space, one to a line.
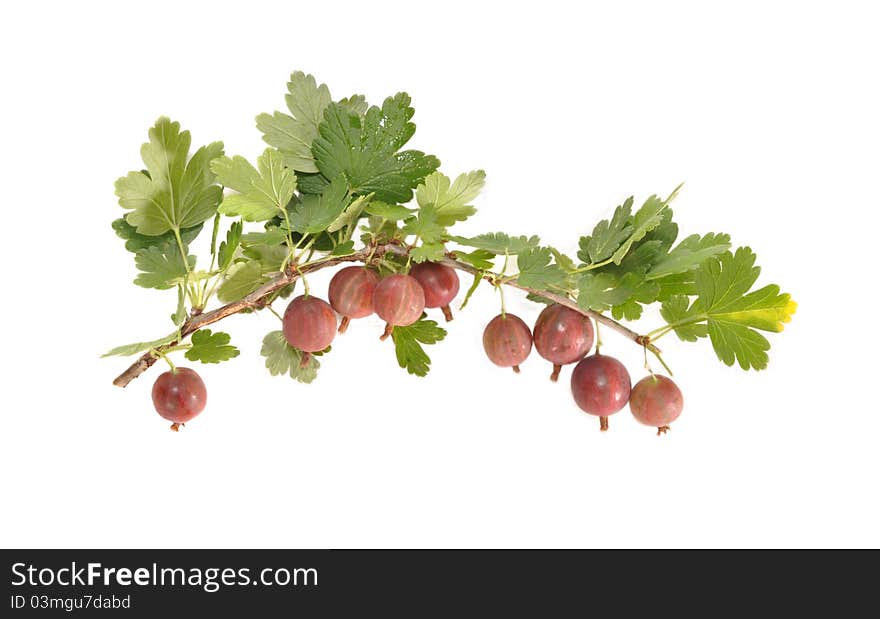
(562,336)
(507,341)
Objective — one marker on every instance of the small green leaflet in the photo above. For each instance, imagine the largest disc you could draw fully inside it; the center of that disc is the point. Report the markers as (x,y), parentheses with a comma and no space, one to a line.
(428,252)
(391,212)
(408,344)
(179,315)
(243,278)
(350,214)
(135,241)
(607,235)
(282,358)
(270,236)
(314,213)
(648,217)
(177,193)
(343,249)
(674,310)
(262,194)
(478,277)
(690,253)
(161,267)
(293,134)
(139,347)
(209,347)
(537,270)
(425,226)
(228,247)
(612,240)
(732,313)
(600,291)
(450,200)
(365,151)
(500,243)
(479,259)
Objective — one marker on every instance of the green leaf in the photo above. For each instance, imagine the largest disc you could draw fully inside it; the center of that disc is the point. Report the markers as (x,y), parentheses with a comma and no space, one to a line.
(732,313)
(641,292)
(127,350)
(135,241)
(500,243)
(293,134)
(537,270)
(428,252)
(350,214)
(262,194)
(425,226)
(607,235)
(161,267)
(450,200)
(179,316)
(175,193)
(271,236)
(391,212)
(690,253)
(228,247)
(478,277)
(356,104)
(343,249)
(315,213)
(282,358)
(566,263)
(676,309)
(648,217)
(209,347)
(407,344)
(600,291)
(365,151)
(241,280)
(479,259)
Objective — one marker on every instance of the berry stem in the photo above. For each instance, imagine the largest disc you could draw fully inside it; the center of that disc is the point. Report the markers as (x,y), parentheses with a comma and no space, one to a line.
(556,370)
(603,424)
(447,313)
(343,324)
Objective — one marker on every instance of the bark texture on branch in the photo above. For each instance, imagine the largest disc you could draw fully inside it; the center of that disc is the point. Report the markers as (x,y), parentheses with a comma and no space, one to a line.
(257,299)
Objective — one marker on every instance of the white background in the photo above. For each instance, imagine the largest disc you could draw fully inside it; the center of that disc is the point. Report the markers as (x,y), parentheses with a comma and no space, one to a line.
(768,111)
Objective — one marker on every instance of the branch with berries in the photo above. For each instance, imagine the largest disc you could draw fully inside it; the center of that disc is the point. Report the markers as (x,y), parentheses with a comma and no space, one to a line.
(335,186)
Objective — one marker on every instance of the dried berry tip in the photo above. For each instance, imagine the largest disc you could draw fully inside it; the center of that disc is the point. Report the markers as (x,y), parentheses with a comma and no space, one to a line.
(175,427)
(343,324)
(603,424)
(516,369)
(663,430)
(556,370)
(389,329)
(447,313)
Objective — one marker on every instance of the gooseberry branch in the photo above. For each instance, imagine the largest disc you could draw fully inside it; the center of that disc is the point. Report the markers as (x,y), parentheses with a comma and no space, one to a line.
(336,183)
(257,301)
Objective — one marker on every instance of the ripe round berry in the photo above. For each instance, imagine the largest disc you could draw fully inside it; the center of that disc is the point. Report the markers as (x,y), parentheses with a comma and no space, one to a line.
(179,396)
(351,293)
(309,324)
(656,401)
(398,300)
(562,336)
(507,341)
(440,284)
(600,386)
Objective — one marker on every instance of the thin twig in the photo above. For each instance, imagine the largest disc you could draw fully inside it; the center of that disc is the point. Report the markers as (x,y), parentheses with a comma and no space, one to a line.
(257,300)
